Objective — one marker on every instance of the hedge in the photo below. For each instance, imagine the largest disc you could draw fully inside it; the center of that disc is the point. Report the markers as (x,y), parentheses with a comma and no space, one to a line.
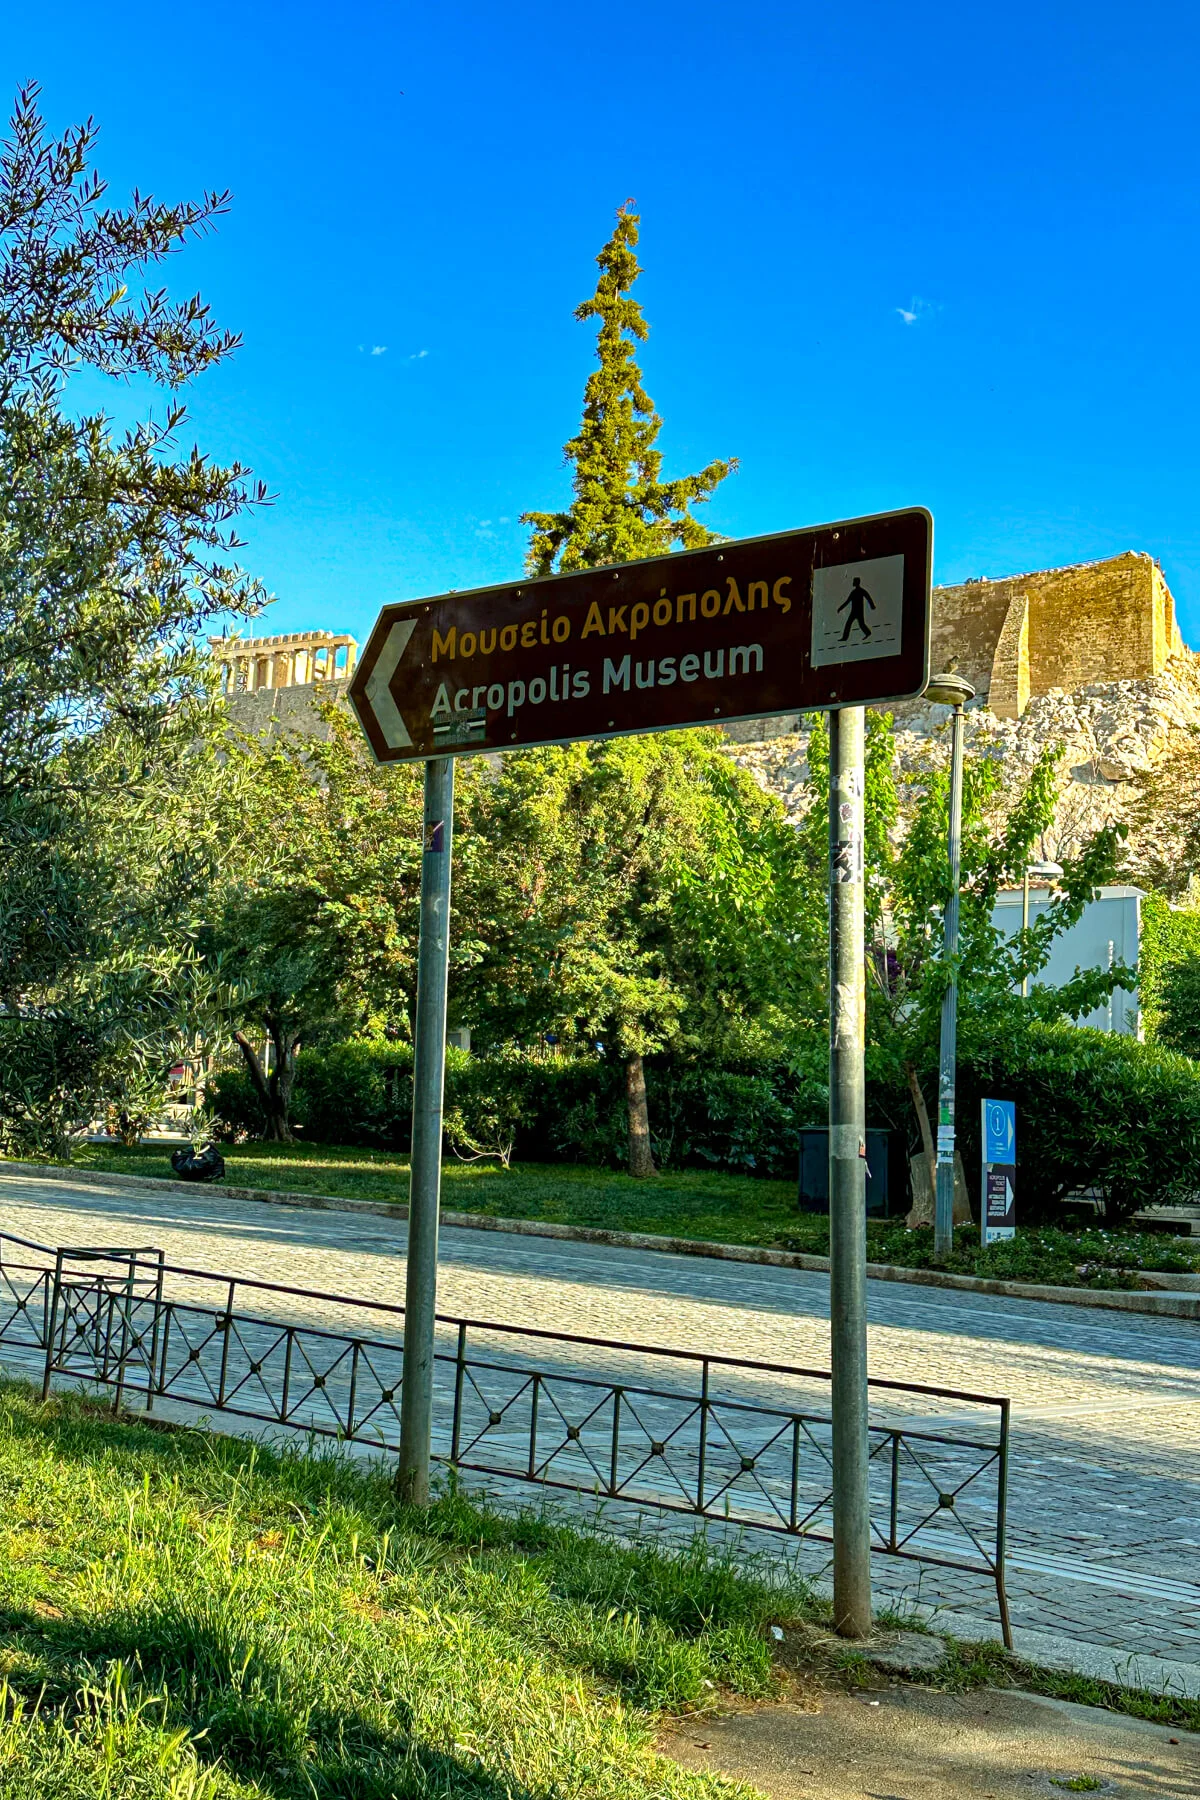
(1094,1111)
(553,1111)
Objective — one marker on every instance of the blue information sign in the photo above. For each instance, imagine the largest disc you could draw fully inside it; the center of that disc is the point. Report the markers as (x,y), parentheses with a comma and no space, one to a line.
(998,1188)
(999,1131)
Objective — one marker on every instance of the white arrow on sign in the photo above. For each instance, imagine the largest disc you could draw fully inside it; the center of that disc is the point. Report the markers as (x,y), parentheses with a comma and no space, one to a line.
(378,690)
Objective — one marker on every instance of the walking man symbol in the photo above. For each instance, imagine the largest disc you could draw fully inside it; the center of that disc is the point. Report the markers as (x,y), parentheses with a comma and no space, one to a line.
(856,599)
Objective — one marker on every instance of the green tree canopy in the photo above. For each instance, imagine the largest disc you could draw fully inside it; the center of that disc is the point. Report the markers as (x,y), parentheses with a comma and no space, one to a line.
(661,852)
(101,896)
(313,919)
(642,893)
(1169,972)
(116,550)
(312,926)
(907,890)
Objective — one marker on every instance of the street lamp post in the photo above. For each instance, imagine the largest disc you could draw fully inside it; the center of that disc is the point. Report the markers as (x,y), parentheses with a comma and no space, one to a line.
(1050,871)
(953,690)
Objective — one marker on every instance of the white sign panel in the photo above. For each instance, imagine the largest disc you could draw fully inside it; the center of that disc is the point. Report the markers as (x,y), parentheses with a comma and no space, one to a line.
(857,611)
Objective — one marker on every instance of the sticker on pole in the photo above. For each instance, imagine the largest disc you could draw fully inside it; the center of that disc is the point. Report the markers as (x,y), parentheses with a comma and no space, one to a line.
(858,611)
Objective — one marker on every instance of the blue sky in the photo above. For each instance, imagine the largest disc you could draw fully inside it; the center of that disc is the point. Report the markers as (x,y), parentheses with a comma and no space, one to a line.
(936,254)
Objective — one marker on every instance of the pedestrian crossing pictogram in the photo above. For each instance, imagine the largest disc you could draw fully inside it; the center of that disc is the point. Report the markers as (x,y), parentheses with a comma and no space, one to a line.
(857,611)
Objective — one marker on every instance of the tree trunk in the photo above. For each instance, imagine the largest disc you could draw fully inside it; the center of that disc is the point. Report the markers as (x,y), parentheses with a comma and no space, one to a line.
(275,1116)
(283,1077)
(641,1162)
(918,1214)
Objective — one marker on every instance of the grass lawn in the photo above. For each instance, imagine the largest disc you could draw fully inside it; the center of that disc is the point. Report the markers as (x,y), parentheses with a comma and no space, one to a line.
(189,1617)
(732,1209)
(717,1208)
(184,1616)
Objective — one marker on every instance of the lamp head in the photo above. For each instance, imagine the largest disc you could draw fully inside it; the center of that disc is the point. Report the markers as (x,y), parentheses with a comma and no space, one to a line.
(1049,871)
(950,688)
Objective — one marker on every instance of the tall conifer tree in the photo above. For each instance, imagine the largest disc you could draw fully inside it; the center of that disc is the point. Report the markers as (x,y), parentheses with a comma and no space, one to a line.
(622,511)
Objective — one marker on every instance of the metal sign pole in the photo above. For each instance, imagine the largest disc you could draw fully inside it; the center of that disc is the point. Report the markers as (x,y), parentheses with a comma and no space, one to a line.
(943,1216)
(847,1177)
(429,1070)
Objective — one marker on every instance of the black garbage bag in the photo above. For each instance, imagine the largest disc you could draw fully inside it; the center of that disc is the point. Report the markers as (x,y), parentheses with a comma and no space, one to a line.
(198,1165)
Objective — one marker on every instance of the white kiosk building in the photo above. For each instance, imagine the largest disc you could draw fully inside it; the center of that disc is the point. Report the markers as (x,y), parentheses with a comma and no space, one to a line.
(1108,932)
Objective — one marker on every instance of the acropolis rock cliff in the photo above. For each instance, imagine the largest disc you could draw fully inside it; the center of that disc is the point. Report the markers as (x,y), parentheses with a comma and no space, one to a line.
(1088,657)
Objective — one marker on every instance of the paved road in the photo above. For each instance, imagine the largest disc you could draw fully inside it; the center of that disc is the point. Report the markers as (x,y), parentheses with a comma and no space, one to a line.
(1105,1486)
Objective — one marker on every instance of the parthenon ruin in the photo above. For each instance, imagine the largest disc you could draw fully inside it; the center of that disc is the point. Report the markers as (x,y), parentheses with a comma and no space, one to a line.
(292,660)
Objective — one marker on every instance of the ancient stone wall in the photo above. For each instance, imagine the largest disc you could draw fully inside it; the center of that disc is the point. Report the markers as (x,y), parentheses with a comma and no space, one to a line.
(1008,689)
(291,710)
(967,623)
(1058,628)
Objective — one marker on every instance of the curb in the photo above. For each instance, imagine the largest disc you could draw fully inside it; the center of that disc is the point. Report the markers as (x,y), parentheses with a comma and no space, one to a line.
(1139,1670)
(1163,1305)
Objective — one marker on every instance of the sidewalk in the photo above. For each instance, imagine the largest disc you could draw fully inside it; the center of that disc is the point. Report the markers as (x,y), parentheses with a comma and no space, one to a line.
(912,1743)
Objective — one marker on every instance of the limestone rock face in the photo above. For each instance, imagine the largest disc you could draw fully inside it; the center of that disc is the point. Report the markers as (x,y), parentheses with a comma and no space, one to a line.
(1112,733)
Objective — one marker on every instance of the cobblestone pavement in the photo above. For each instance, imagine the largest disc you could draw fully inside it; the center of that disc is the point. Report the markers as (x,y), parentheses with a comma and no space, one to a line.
(1104,1507)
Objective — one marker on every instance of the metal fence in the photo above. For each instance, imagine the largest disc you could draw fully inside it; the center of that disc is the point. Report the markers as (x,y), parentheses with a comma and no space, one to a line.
(717,1437)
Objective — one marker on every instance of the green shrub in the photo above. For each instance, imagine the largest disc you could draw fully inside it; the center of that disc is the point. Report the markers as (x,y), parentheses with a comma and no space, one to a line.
(556,1111)
(1179,1006)
(1169,973)
(357,1093)
(354,1093)
(744,1120)
(1094,1110)
(232,1105)
(571,1110)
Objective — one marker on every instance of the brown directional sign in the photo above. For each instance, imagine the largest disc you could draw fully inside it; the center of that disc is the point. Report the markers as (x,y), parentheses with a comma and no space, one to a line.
(837,615)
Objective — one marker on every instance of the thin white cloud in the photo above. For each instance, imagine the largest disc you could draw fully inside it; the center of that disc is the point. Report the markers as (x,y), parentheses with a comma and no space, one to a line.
(382,350)
(916,310)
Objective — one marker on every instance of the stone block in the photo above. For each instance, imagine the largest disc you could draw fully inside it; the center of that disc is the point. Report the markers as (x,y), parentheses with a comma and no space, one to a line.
(907,1652)
(921,1187)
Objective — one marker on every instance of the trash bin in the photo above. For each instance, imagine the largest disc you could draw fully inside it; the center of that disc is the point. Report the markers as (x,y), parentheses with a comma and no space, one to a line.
(814,1171)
